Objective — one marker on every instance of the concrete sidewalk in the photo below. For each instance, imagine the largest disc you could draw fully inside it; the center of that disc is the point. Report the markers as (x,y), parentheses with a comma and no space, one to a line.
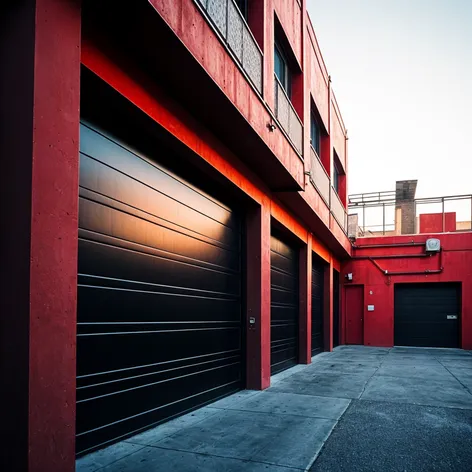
(408,409)
(414,414)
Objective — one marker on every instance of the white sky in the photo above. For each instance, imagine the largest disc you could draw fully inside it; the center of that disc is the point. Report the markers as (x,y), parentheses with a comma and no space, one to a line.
(402,74)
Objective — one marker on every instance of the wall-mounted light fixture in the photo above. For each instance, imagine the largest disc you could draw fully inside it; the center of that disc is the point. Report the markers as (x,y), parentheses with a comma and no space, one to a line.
(349,277)
(271,127)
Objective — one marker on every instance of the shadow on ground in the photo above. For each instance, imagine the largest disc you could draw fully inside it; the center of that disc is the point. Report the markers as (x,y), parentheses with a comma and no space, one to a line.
(355,409)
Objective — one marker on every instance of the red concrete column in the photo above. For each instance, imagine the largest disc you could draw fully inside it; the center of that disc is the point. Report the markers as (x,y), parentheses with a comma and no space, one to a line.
(328,307)
(305,303)
(39,136)
(258,296)
(342,310)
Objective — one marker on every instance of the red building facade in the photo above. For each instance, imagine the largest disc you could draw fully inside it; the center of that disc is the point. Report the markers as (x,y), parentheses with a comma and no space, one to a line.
(214,101)
(381,265)
(216,122)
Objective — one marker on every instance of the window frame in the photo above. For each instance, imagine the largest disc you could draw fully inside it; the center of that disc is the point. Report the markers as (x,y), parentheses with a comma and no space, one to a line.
(314,124)
(287,83)
(336,175)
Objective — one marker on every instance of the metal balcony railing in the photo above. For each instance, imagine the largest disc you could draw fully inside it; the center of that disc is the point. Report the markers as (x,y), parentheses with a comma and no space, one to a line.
(319,177)
(338,210)
(231,25)
(371,197)
(287,117)
(387,217)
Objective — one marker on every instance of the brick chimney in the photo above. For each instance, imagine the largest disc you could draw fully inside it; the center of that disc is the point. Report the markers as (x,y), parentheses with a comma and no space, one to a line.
(405,216)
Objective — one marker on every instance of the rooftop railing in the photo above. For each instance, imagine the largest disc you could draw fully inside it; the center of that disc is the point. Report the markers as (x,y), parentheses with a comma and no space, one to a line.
(387,217)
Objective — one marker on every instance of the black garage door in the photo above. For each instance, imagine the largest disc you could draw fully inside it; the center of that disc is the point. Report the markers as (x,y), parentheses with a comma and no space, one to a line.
(317,306)
(159,311)
(284,305)
(427,315)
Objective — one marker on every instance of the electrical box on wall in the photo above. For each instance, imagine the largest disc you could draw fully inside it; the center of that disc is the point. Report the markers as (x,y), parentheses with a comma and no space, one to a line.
(433,245)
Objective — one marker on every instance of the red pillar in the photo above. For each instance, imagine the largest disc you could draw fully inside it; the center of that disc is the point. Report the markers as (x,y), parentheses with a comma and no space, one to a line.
(39,136)
(342,311)
(305,303)
(328,307)
(258,296)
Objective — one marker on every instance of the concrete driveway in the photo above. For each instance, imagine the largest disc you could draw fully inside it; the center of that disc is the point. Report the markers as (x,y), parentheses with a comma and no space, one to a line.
(355,409)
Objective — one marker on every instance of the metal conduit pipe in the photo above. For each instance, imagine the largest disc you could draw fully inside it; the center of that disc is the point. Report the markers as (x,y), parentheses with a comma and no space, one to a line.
(390,256)
(374,246)
(414,272)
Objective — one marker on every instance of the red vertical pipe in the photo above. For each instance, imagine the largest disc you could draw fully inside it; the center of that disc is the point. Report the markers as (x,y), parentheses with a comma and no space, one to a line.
(305,303)
(258,296)
(39,112)
(328,307)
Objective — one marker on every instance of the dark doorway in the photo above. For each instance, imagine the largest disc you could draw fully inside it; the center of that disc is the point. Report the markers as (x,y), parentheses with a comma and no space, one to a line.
(284,304)
(159,293)
(317,305)
(427,315)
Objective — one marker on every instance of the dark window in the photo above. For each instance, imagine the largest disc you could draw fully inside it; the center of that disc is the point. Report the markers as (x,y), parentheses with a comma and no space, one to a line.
(281,69)
(242,5)
(315,134)
(335,178)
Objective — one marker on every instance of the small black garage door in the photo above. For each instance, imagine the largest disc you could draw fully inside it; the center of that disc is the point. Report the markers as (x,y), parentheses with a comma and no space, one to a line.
(317,306)
(159,311)
(427,315)
(284,305)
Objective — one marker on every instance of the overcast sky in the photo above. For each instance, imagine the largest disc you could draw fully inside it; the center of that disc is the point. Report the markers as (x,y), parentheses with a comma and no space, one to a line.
(402,73)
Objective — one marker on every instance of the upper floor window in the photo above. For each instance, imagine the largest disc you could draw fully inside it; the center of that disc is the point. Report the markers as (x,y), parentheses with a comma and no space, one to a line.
(336,178)
(281,69)
(242,5)
(315,134)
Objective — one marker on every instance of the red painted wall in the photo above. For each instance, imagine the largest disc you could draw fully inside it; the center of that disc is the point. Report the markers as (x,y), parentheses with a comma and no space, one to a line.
(338,133)
(188,23)
(379,289)
(433,223)
(317,79)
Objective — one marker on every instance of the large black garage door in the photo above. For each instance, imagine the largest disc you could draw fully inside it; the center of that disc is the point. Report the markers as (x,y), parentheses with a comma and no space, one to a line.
(159,311)
(317,306)
(427,315)
(284,305)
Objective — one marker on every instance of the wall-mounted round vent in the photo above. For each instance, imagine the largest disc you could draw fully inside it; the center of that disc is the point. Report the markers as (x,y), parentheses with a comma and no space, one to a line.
(433,245)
